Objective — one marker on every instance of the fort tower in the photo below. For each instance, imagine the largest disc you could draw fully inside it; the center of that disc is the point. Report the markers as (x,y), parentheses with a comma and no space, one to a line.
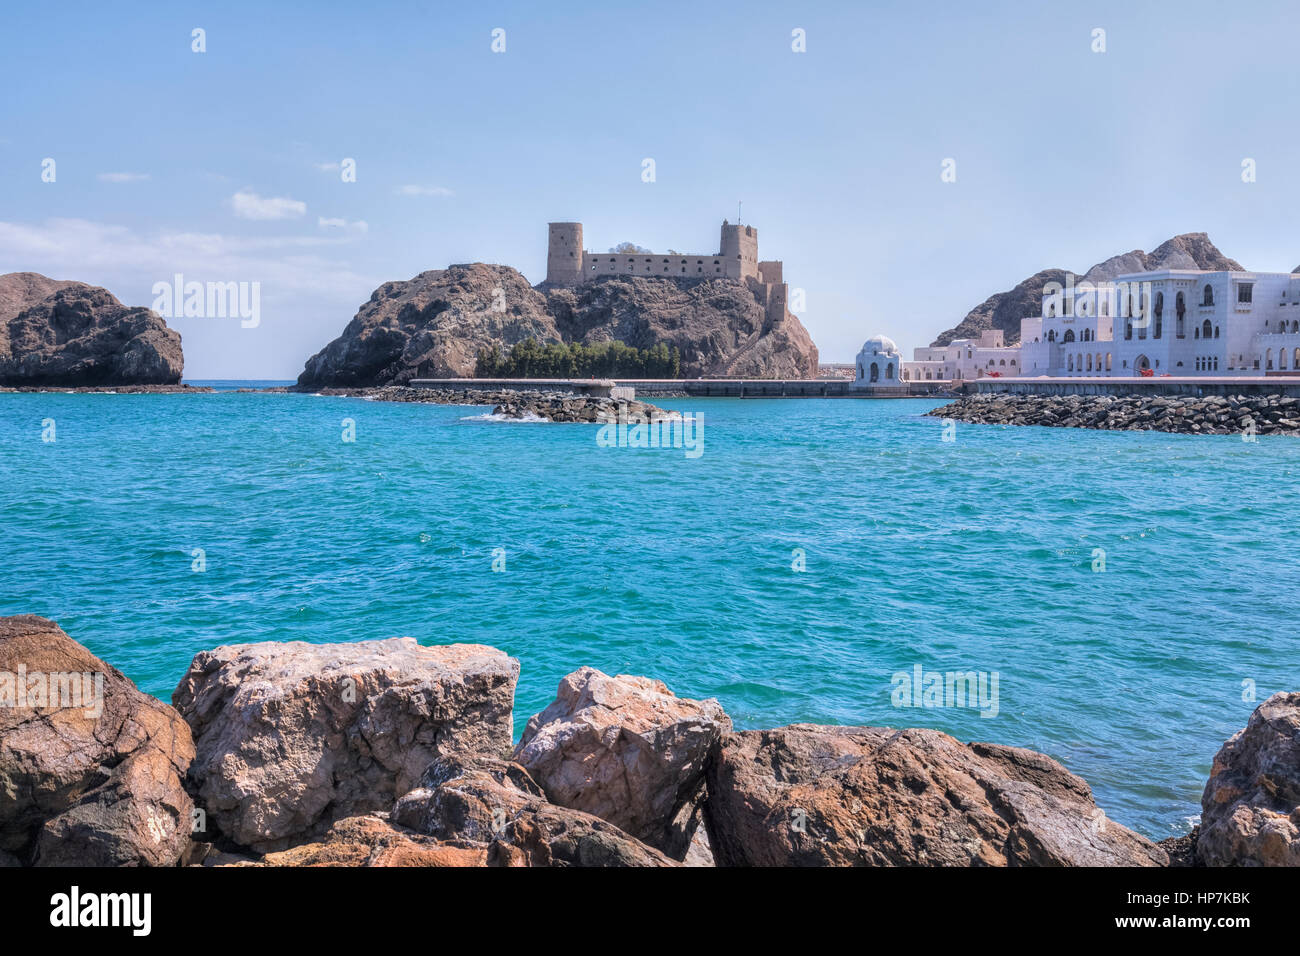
(564,253)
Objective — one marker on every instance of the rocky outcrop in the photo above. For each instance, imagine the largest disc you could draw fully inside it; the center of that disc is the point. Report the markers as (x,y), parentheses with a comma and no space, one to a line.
(722,327)
(493,804)
(1250,811)
(91,769)
(552,405)
(65,333)
(1004,310)
(1212,415)
(807,795)
(292,737)
(434,325)
(627,750)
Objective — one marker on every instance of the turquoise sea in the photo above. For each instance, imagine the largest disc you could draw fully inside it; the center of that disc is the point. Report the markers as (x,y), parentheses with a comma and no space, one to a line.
(970,555)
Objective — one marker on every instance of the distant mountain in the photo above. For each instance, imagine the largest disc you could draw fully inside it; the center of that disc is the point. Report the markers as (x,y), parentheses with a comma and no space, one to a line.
(1004,310)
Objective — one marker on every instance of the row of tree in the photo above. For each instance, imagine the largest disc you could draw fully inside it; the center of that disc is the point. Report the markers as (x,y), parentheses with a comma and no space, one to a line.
(528,359)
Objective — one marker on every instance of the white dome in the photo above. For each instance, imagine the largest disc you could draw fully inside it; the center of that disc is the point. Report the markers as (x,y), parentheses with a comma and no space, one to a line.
(881,344)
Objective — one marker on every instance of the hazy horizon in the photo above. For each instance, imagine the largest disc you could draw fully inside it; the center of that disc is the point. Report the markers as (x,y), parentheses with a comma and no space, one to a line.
(225,165)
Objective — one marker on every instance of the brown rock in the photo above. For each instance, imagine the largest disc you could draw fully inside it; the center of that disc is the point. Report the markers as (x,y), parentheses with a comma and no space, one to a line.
(1250,811)
(373,841)
(434,325)
(291,737)
(806,795)
(84,781)
(493,804)
(627,750)
(64,333)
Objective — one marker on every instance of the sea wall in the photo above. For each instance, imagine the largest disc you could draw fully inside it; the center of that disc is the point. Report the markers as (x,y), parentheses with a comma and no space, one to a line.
(388,753)
(1244,415)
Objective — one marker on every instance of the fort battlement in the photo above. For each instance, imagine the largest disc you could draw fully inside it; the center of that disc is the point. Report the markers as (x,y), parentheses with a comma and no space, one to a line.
(567,263)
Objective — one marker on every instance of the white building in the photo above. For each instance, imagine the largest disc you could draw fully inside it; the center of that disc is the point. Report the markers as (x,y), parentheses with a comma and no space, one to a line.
(1180,322)
(964,359)
(879,363)
(1177,322)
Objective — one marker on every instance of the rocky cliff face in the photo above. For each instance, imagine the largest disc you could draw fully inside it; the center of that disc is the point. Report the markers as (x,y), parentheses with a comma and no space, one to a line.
(1004,310)
(433,326)
(55,332)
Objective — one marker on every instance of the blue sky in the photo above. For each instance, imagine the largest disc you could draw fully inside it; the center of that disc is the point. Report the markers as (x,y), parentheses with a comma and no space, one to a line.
(1063,156)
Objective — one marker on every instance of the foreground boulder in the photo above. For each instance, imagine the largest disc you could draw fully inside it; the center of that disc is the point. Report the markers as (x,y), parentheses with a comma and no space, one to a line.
(372,841)
(1250,811)
(91,769)
(292,736)
(807,795)
(627,750)
(65,333)
(493,804)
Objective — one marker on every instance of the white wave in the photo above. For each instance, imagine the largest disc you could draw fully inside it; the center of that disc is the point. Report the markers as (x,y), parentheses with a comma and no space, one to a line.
(528,419)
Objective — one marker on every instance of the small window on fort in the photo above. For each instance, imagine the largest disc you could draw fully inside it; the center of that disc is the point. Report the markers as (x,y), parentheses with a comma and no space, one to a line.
(1244,292)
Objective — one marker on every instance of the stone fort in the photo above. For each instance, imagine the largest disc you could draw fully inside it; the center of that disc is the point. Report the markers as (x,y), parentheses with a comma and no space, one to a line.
(567,263)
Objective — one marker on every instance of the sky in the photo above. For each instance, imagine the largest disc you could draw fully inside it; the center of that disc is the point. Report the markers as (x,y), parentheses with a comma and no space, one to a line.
(227,165)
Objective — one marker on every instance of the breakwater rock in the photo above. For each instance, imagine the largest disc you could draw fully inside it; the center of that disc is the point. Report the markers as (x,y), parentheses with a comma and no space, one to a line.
(90,768)
(387,753)
(1208,415)
(552,405)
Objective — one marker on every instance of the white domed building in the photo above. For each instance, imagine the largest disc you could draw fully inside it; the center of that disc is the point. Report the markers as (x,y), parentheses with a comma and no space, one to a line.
(880,364)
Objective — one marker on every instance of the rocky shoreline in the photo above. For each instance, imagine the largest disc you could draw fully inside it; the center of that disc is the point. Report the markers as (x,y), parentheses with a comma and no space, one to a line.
(387,753)
(1209,415)
(112,389)
(552,405)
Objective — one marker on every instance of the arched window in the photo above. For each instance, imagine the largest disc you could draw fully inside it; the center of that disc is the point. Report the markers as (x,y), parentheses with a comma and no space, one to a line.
(889,370)
(1128,328)
(1268,359)
(1216,331)
(1051,335)
(1108,361)
(875,372)
(1207,295)
(1160,313)
(1206,329)
(1179,308)
(1069,363)
(1089,361)
(1069,336)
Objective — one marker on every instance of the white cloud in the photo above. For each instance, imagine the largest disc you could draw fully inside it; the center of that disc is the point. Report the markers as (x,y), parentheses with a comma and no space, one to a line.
(249,205)
(122,177)
(412,190)
(359,226)
(120,259)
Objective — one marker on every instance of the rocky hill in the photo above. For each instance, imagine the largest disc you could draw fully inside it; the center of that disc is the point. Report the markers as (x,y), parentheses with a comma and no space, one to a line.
(433,325)
(57,332)
(1004,310)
